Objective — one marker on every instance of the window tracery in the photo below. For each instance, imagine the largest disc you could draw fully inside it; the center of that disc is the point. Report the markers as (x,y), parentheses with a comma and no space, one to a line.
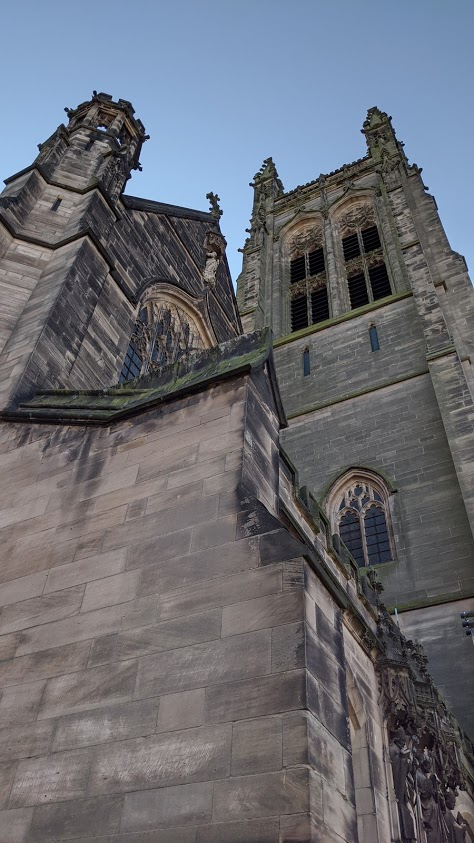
(309,302)
(164,332)
(361,515)
(367,276)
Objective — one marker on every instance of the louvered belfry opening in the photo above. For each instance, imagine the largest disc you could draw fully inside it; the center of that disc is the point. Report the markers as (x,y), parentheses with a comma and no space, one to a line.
(299,313)
(367,276)
(319,305)
(358,290)
(309,299)
(379,281)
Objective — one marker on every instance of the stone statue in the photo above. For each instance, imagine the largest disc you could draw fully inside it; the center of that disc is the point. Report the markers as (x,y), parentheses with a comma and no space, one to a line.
(403,782)
(210,270)
(427,785)
(456,829)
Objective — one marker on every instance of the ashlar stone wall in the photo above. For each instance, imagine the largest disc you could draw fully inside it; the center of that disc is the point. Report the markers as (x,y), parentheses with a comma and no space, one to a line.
(171,666)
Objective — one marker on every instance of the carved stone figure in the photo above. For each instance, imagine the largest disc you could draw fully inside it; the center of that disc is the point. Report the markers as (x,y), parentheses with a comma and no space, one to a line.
(430,801)
(210,269)
(456,829)
(403,782)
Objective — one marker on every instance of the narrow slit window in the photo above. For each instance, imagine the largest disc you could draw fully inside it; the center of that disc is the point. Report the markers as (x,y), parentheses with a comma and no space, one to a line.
(306,363)
(56,203)
(374,338)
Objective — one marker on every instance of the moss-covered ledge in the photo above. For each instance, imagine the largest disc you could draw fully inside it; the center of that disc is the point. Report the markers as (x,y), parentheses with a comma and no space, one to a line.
(239,355)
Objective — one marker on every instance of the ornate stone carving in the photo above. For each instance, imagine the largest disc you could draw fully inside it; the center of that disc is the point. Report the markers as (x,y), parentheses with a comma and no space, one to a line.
(455,826)
(359,216)
(215,208)
(425,741)
(214,245)
(404,784)
(306,239)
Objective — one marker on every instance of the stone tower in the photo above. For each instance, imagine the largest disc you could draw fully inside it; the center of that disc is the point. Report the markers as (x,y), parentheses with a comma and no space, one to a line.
(80,261)
(372,314)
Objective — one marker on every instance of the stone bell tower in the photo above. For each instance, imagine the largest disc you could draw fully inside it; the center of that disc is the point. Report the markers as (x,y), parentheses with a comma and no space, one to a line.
(372,314)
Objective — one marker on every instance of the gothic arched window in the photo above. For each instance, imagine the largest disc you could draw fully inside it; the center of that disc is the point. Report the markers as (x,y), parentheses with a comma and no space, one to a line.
(309,302)
(360,513)
(367,276)
(165,331)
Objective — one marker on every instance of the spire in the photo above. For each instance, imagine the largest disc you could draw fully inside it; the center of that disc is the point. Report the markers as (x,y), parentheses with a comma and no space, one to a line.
(380,136)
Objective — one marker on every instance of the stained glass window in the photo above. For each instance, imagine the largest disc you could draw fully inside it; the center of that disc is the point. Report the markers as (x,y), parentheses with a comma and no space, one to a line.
(362,522)
(163,334)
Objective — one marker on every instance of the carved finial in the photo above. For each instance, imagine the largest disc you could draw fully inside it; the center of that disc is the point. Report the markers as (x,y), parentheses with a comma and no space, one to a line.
(215,208)
(94,93)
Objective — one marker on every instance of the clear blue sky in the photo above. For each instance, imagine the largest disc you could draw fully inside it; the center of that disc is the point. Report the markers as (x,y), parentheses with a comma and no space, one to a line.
(222,84)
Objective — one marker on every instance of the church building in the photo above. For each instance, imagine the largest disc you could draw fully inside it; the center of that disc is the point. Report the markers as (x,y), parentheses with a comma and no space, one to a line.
(372,315)
(208,517)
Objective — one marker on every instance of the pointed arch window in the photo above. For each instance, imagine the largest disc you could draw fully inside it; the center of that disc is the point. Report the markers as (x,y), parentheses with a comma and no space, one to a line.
(367,276)
(360,513)
(164,333)
(309,301)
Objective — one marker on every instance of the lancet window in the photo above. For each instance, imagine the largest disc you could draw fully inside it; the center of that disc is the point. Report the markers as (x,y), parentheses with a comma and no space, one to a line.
(361,516)
(367,276)
(163,333)
(309,302)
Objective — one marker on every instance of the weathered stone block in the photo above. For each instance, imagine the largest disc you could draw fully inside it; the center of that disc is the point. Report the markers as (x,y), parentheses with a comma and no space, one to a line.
(261,612)
(279,546)
(26,740)
(219,532)
(164,760)
(220,592)
(85,818)
(225,660)
(256,746)
(84,571)
(42,665)
(40,610)
(22,588)
(20,703)
(255,697)
(92,688)
(14,824)
(117,723)
(187,804)
(7,776)
(169,635)
(181,711)
(288,647)
(256,796)
(252,831)
(202,565)
(51,778)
